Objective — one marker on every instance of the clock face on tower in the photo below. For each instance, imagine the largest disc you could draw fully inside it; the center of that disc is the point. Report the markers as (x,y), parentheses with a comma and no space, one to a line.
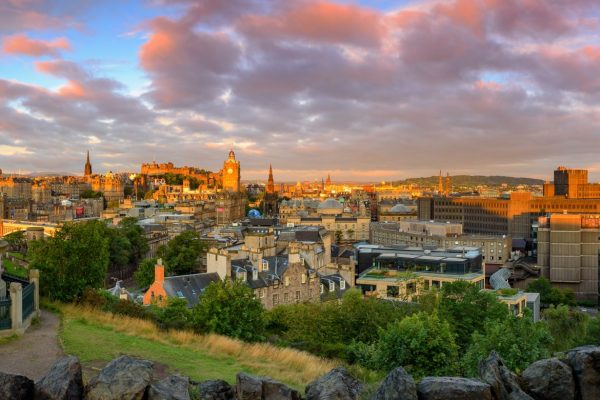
(230,171)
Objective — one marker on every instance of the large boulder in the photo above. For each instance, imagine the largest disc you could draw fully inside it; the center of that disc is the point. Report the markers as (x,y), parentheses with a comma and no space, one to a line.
(549,379)
(397,385)
(256,388)
(173,387)
(16,387)
(503,382)
(216,390)
(336,384)
(585,362)
(273,390)
(449,388)
(63,382)
(248,387)
(124,378)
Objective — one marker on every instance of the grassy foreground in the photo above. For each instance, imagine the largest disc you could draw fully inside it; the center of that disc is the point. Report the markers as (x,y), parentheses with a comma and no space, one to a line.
(94,335)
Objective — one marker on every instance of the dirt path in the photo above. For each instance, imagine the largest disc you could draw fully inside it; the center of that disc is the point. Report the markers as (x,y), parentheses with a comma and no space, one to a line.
(34,353)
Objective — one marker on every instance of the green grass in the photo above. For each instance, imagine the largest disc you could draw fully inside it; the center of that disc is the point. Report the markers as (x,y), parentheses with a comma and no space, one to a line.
(14,269)
(18,256)
(78,336)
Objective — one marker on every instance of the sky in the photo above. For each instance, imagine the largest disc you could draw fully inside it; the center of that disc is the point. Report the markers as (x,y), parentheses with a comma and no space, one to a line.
(364,90)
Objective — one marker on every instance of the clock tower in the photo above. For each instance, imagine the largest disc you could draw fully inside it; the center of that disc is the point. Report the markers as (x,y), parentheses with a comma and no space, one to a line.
(231,174)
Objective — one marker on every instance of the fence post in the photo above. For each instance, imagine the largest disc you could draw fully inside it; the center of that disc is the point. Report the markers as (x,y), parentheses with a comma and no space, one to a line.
(34,277)
(16,307)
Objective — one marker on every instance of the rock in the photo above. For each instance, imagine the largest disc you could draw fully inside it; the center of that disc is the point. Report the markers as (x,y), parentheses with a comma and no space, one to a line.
(585,363)
(447,388)
(256,388)
(63,381)
(273,390)
(503,382)
(124,378)
(216,390)
(336,384)
(173,387)
(549,379)
(16,387)
(398,385)
(248,387)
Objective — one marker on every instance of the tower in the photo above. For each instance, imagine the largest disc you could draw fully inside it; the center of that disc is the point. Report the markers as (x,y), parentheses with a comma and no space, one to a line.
(231,173)
(270,188)
(87,171)
(448,184)
(440,185)
(270,201)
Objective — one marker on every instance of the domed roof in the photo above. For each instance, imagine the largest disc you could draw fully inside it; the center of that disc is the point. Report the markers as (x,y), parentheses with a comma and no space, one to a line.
(330,203)
(254,213)
(400,208)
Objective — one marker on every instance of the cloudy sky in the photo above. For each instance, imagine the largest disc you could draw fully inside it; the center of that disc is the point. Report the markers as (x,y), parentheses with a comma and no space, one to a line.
(365,90)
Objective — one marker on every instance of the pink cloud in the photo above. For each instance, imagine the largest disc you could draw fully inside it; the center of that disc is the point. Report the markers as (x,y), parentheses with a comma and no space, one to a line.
(21,44)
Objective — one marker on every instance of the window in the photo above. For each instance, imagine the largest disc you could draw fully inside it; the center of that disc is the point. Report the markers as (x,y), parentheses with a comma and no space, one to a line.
(275,299)
(303,278)
(342,284)
(285,298)
(331,286)
(322,288)
(261,293)
(287,281)
(297,295)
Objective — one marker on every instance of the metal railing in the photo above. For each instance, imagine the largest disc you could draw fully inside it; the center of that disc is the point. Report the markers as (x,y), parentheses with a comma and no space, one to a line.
(5,321)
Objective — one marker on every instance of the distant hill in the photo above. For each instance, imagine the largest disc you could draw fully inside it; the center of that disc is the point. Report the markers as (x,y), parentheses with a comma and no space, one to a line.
(473,180)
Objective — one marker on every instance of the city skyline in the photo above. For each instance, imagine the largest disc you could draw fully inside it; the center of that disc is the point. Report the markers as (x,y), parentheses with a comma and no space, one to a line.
(363,90)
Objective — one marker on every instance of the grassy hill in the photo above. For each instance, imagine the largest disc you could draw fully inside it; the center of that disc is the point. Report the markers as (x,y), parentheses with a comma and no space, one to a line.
(97,337)
(473,180)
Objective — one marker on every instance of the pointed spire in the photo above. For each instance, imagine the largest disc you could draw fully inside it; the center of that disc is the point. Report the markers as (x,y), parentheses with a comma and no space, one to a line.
(87,170)
(271,182)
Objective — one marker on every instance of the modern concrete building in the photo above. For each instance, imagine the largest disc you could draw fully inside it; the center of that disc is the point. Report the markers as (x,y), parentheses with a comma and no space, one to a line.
(569,252)
(495,249)
(396,273)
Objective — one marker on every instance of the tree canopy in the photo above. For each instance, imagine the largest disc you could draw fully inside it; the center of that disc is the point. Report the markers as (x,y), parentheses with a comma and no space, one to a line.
(181,255)
(74,259)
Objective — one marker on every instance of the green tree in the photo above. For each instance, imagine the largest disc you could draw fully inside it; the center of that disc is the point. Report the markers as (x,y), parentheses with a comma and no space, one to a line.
(567,327)
(16,241)
(175,315)
(90,194)
(182,253)
(230,308)
(551,295)
(119,249)
(144,275)
(74,259)
(423,344)
(518,340)
(467,309)
(593,331)
(136,237)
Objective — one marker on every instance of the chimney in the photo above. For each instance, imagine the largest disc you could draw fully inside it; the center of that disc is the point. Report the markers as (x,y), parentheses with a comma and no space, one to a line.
(159,271)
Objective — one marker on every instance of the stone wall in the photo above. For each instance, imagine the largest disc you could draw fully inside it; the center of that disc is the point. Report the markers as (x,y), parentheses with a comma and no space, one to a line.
(576,376)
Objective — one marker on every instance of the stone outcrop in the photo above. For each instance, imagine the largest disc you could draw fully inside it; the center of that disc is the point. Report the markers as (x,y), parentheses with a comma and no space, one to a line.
(216,390)
(16,387)
(549,379)
(63,381)
(503,382)
(173,387)
(577,377)
(123,378)
(585,363)
(451,388)
(336,384)
(397,385)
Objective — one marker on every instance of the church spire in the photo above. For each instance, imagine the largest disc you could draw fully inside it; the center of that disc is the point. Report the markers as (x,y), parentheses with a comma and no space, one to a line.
(87,171)
(271,182)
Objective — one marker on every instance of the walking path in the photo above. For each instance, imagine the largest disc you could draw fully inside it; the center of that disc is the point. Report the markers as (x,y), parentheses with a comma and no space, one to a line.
(35,352)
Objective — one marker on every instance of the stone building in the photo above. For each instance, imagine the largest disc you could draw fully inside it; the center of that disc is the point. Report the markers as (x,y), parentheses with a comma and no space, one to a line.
(274,279)
(231,174)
